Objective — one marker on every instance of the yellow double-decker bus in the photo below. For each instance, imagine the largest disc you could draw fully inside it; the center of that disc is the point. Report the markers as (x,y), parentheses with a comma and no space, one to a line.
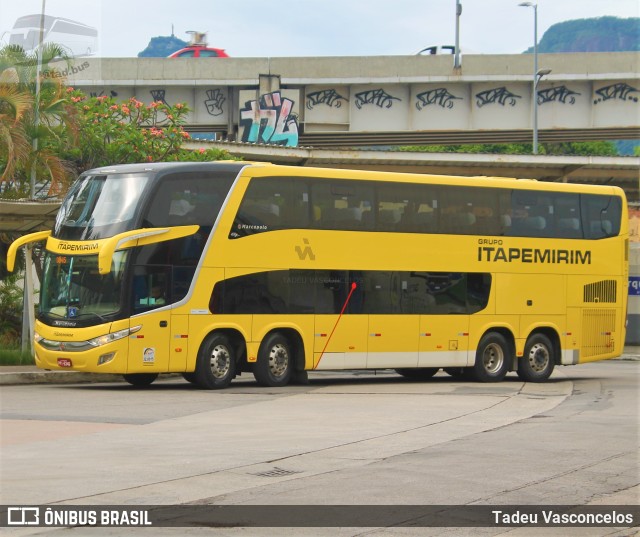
(217,269)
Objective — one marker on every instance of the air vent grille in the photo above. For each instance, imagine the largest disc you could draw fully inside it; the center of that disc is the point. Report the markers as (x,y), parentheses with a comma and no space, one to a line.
(598,292)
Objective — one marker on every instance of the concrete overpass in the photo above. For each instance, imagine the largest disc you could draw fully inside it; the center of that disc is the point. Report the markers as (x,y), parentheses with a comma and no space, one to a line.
(372,101)
(316,108)
(619,171)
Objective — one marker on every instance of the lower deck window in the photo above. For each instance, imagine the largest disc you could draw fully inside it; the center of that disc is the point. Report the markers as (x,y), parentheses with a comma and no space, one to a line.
(376,292)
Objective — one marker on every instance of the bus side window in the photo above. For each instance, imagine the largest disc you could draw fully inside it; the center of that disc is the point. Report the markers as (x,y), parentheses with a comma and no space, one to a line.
(272,203)
(342,205)
(600,215)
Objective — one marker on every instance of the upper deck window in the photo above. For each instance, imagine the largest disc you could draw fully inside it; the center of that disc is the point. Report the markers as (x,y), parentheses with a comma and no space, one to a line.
(276,203)
(100,206)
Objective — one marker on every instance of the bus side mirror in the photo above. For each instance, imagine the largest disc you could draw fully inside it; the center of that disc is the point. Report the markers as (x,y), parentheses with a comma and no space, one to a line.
(27,239)
(139,237)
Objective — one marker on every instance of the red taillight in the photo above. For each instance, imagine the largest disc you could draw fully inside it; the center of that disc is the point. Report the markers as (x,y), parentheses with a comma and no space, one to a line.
(64,362)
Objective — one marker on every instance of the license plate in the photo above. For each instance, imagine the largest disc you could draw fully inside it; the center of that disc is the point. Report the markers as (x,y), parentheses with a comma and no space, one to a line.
(64,362)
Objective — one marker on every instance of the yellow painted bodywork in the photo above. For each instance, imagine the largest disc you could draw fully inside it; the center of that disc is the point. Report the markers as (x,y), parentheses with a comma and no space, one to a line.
(524,297)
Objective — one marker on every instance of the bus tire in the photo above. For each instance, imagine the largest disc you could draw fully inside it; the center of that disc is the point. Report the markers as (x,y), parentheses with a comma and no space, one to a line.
(538,361)
(140,379)
(417,373)
(275,361)
(190,377)
(492,358)
(216,363)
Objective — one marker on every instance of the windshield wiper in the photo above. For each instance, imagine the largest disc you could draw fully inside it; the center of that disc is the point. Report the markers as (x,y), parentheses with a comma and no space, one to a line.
(104,320)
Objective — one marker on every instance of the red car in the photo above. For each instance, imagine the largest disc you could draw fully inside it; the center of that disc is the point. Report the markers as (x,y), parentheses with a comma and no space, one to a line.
(198,51)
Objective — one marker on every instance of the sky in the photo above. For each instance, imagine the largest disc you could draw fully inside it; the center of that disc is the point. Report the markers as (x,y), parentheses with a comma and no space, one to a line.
(258,28)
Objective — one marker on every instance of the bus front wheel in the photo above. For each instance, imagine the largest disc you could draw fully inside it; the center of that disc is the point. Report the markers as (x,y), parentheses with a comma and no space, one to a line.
(492,358)
(140,379)
(275,361)
(216,363)
(537,363)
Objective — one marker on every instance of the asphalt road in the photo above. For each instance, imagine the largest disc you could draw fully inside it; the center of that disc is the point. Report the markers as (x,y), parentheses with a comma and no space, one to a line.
(343,439)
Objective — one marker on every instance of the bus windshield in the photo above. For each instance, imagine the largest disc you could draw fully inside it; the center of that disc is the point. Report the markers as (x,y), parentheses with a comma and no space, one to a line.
(73,288)
(100,206)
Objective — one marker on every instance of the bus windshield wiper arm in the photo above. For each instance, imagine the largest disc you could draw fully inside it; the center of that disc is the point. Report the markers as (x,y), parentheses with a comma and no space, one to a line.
(91,313)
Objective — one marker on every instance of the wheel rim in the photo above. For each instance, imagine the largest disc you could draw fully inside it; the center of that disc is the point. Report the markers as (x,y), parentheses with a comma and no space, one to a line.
(493,358)
(278,360)
(538,357)
(220,361)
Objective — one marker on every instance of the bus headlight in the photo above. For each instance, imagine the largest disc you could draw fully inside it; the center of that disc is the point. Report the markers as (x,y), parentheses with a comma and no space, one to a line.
(113,336)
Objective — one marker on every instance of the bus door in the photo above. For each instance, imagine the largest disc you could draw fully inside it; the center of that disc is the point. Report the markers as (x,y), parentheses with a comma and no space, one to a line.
(393,326)
(149,347)
(444,327)
(340,340)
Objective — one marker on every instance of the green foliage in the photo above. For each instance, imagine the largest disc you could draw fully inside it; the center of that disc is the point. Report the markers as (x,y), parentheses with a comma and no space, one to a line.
(565,148)
(600,149)
(15,357)
(162,46)
(10,311)
(30,139)
(130,131)
(602,34)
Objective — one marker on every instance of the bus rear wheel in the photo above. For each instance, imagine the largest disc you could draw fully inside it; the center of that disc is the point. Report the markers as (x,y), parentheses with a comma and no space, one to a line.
(418,373)
(275,361)
(140,379)
(492,359)
(216,363)
(538,361)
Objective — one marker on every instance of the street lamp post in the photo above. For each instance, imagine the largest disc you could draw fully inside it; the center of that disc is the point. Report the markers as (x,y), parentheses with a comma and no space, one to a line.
(537,74)
(456,58)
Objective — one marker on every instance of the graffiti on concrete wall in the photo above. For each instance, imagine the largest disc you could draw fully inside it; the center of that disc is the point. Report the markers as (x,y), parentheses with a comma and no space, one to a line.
(621,91)
(214,101)
(560,94)
(501,96)
(439,96)
(158,95)
(377,97)
(112,94)
(328,97)
(269,121)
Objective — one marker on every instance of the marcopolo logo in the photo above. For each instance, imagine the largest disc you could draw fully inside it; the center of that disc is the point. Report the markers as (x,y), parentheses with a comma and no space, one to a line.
(306,252)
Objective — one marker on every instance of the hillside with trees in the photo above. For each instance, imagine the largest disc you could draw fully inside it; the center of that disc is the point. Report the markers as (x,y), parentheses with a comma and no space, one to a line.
(162,46)
(602,34)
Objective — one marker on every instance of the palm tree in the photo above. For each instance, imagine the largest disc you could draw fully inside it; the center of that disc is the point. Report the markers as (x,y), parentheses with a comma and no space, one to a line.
(15,103)
(47,127)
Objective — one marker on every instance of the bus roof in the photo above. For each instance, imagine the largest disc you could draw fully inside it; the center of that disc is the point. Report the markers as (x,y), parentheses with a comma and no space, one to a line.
(267,169)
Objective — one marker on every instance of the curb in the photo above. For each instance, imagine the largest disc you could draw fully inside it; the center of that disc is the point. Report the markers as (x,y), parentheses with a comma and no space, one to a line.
(37,376)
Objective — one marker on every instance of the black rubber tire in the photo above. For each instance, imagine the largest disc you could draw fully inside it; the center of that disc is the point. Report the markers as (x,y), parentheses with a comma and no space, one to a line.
(275,361)
(140,379)
(216,363)
(418,373)
(538,361)
(190,377)
(492,358)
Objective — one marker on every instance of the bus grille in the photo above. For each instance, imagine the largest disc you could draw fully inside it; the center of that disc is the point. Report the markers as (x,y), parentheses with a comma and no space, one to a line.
(604,291)
(598,326)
